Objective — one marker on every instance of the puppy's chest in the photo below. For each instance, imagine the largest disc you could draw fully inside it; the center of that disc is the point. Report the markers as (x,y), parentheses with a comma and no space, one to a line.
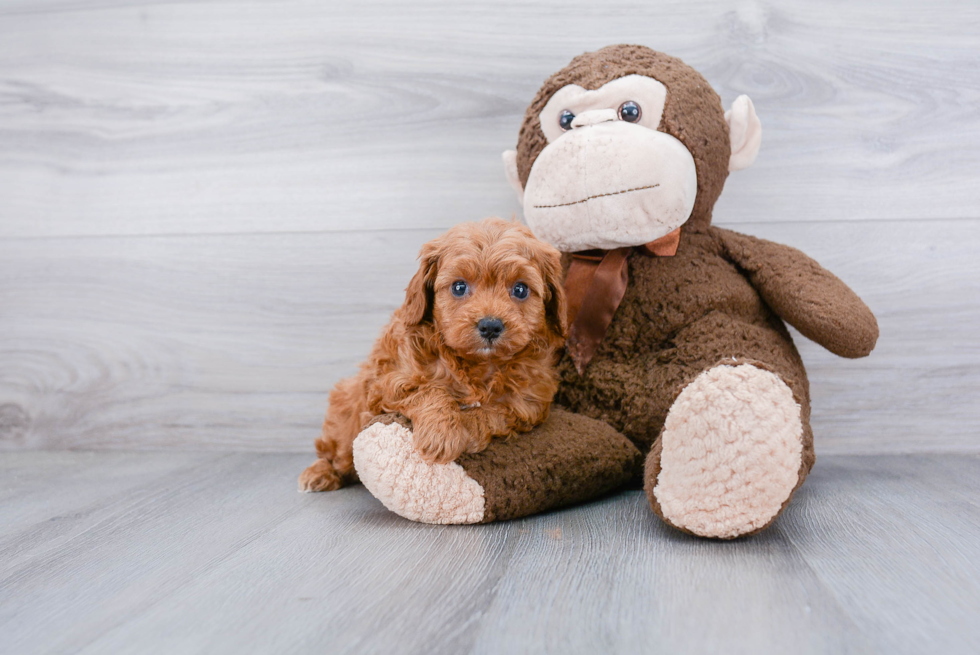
(485,388)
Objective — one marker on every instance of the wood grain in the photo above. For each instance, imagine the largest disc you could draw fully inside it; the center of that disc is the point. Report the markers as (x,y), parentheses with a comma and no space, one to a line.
(875,555)
(232,342)
(210,209)
(221,117)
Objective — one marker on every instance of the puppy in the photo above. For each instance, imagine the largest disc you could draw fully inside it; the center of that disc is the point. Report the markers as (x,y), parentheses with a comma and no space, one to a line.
(468,357)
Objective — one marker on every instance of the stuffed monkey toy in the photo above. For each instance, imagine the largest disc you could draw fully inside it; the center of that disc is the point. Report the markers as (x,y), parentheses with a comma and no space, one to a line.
(679,369)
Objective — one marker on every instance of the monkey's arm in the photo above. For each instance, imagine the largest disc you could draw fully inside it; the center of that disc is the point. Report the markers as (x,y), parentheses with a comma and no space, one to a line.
(804,294)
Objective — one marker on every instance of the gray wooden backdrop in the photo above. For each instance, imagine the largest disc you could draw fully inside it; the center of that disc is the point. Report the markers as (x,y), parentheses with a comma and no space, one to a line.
(209,209)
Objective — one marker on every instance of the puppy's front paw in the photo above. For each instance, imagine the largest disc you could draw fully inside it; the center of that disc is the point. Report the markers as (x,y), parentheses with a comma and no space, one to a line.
(440,442)
(320,476)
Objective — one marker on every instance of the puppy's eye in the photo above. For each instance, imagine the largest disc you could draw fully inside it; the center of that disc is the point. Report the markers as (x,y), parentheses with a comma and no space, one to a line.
(520,291)
(458,288)
(629,111)
(565,120)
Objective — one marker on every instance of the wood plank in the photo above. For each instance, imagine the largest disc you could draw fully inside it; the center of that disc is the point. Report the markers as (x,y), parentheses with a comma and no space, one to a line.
(134,553)
(221,342)
(218,117)
(876,554)
(873,529)
(188,342)
(47,500)
(623,582)
(595,579)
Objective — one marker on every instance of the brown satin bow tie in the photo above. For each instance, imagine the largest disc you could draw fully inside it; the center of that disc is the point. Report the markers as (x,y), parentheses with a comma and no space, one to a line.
(595,285)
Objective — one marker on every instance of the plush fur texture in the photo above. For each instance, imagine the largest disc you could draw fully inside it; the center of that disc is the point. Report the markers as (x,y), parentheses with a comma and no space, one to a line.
(692,114)
(432,365)
(684,314)
(565,460)
(395,473)
(730,453)
(647,194)
(608,183)
(721,298)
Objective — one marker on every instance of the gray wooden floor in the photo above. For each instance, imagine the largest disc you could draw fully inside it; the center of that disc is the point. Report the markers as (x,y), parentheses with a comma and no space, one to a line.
(187,553)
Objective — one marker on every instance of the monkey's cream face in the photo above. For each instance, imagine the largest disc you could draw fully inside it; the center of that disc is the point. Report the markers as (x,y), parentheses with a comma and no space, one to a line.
(607,177)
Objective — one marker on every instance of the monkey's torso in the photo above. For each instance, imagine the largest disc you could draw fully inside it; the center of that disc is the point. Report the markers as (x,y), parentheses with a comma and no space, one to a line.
(680,316)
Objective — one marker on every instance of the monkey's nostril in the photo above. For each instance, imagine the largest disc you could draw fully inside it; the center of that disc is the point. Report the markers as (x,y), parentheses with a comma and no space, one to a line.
(490,327)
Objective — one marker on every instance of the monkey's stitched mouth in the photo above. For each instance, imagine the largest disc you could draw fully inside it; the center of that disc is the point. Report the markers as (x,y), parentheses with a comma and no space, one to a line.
(600,195)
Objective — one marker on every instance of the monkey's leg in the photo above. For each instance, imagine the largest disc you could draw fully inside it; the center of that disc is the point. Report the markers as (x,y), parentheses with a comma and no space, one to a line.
(736,442)
(567,459)
(732,452)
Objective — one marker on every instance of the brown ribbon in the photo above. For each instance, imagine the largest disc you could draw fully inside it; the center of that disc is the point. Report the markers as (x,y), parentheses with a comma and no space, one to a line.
(665,246)
(595,285)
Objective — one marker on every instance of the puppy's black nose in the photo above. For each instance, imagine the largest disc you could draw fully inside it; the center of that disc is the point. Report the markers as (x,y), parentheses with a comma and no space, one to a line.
(490,327)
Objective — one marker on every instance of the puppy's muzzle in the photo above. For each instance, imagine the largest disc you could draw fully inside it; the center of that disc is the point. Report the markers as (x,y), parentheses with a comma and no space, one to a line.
(490,328)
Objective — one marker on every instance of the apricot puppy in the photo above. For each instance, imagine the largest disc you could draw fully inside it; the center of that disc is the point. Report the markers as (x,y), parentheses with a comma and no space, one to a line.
(469,356)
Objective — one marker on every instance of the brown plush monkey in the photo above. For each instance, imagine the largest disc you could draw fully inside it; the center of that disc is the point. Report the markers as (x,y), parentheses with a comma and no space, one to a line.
(677,339)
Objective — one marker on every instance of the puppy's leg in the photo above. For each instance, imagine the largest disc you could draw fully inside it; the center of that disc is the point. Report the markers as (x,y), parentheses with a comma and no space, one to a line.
(501,418)
(345,416)
(483,424)
(441,433)
(444,431)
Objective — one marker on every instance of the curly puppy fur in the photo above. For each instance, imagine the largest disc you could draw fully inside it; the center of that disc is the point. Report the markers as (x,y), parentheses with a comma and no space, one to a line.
(432,365)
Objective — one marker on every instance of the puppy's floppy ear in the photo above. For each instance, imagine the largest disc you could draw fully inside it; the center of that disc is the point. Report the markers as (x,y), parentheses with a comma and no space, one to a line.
(554,301)
(420,293)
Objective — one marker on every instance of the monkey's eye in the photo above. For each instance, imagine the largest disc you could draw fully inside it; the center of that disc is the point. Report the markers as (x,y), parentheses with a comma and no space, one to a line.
(565,120)
(458,288)
(629,111)
(520,291)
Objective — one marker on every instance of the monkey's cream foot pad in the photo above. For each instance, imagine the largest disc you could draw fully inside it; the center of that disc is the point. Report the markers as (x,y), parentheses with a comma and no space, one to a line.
(395,473)
(730,453)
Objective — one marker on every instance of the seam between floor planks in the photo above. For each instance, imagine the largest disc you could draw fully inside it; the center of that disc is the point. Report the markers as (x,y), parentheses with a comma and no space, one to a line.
(735,225)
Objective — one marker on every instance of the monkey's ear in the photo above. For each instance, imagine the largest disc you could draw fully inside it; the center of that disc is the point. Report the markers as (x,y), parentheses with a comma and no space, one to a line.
(420,293)
(745,132)
(510,170)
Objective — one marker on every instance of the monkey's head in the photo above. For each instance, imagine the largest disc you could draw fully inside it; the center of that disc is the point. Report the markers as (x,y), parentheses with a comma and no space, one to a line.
(623,146)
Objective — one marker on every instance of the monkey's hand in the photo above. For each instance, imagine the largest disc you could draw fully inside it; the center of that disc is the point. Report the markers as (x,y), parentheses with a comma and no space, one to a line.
(804,294)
